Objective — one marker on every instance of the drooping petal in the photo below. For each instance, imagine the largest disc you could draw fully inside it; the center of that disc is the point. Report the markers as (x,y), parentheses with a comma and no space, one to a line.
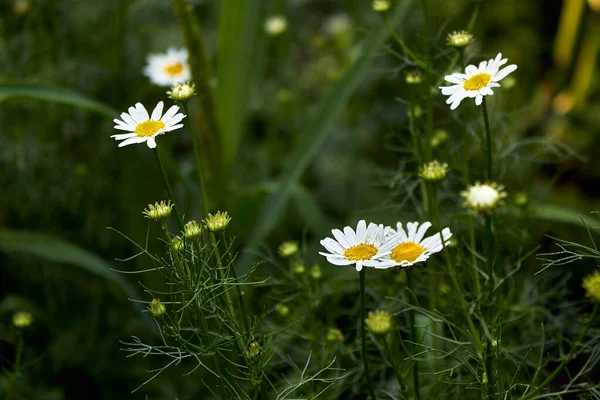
(478,99)
(151,142)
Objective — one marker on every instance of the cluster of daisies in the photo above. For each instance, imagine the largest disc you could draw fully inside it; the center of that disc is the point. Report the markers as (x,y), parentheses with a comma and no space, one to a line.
(381,247)
(169,69)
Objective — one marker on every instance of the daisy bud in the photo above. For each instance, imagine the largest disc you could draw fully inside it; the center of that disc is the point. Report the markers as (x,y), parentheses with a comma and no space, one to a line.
(217,222)
(288,249)
(460,39)
(254,350)
(379,322)
(415,112)
(334,335)
(177,243)
(521,199)
(298,268)
(22,319)
(159,211)
(157,309)
(509,82)
(591,284)
(182,91)
(483,198)
(192,230)
(414,77)
(381,5)
(315,272)
(275,25)
(484,379)
(439,137)
(282,309)
(433,171)
(494,343)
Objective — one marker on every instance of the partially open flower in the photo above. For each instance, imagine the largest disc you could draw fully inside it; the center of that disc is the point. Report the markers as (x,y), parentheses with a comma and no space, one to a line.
(254,350)
(379,322)
(182,91)
(483,198)
(177,243)
(460,39)
(433,171)
(414,77)
(159,211)
(217,222)
(192,230)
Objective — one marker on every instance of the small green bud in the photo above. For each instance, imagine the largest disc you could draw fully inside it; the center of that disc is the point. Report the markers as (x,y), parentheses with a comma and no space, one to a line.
(414,77)
(460,39)
(381,5)
(157,309)
(335,335)
(315,272)
(298,268)
(254,350)
(22,319)
(288,249)
(182,91)
(217,222)
(494,343)
(415,111)
(439,137)
(282,309)
(520,199)
(192,230)
(484,378)
(159,211)
(509,82)
(275,25)
(177,243)
(379,322)
(433,171)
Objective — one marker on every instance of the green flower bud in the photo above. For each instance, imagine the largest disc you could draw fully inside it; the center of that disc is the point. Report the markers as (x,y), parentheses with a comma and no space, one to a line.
(22,319)
(334,335)
(288,249)
(379,322)
(157,309)
(217,222)
(159,211)
(192,230)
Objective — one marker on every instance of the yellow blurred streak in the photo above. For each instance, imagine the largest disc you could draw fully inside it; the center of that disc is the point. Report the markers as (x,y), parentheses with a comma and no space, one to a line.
(594,5)
(568,28)
(586,60)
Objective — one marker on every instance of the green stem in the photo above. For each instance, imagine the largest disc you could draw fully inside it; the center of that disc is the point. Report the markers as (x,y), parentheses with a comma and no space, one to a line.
(363,334)
(488,137)
(166,182)
(15,375)
(388,350)
(413,334)
(568,357)
(238,291)
(401,43)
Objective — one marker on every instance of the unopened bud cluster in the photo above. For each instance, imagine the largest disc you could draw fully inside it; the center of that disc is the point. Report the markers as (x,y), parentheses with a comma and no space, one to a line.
(460,39)
(433,171)
(182,91)
(192,230)
(217,222)
(157,309)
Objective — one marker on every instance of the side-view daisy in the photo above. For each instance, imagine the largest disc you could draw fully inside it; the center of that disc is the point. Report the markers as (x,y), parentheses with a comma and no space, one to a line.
(476,82)
(363,247)
(143,127)
(409,247)
(168,69)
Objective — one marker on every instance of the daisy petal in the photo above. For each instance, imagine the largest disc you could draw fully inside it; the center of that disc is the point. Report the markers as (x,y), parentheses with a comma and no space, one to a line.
(504,72)
(156,114)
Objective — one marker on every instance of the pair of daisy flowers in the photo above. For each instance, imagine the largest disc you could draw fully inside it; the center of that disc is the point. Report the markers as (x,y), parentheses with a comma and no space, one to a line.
(382,247)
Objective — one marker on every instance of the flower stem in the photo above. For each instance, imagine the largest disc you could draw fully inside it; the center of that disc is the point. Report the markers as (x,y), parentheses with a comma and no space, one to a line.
(413,334)
(488,140)
(386,345)
(237,287)
(363,332)
(166,182)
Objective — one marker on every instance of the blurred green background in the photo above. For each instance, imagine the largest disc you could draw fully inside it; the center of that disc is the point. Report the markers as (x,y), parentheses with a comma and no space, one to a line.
(63,178)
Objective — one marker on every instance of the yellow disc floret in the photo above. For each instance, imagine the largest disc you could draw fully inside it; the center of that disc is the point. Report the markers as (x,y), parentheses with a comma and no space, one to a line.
(477,82)
(360,252)
(174,69)
(407,251)
(149,128)
(591,284)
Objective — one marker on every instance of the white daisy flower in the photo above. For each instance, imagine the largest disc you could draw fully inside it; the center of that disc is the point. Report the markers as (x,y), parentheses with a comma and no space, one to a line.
(409,247)
(168,69)
(363,247)
(143,127)
(483,198)
(476,82)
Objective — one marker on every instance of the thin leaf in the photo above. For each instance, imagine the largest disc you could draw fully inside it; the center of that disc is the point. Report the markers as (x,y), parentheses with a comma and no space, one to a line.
(55,95)
(315,135)
(555,213)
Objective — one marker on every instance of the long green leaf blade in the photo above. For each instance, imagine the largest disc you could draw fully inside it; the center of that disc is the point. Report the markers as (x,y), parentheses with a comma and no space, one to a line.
(55,95)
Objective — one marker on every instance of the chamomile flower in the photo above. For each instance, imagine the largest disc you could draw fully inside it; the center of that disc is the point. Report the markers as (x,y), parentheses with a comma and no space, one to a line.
(168,69)
(409,247)
(143,127)
(477,81)
(483,198)
(363,247)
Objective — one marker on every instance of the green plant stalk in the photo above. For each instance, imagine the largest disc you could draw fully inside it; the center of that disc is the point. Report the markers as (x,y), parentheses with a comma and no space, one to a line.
(413,333)
(12,381)
(201,179)
(429,79)
(388,350)
(363,332)
(401,43)
(568,358)
(199,64)
(168,187)
(238,291)
(488,139)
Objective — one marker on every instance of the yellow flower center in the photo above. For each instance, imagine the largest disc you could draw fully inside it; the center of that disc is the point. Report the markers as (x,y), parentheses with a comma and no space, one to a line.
(149,128)
(407,251)
(477,82)
(174,69)
(360,252)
